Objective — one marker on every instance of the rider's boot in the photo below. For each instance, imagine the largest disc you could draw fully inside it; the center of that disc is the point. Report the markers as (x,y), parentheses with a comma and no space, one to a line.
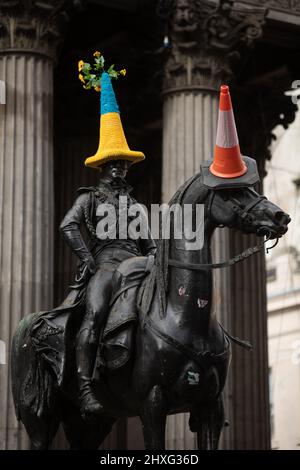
(85,358)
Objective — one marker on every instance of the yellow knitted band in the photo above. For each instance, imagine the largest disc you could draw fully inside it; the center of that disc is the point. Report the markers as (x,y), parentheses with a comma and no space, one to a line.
(113,144)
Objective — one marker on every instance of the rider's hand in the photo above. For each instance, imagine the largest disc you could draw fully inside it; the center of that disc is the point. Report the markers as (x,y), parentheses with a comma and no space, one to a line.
(91,265)
(150,262)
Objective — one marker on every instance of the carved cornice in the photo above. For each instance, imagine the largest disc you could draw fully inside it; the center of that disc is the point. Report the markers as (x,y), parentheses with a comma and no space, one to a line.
(288,6)
(206,39)
(34,26)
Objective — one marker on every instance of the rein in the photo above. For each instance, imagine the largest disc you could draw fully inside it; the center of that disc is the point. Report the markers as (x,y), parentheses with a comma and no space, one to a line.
(224,264)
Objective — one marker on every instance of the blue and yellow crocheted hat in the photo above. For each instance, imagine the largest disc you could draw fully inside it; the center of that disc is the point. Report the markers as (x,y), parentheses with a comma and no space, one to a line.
(112,143)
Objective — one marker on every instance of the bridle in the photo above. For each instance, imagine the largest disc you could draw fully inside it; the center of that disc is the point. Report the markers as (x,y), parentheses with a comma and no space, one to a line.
(244,213)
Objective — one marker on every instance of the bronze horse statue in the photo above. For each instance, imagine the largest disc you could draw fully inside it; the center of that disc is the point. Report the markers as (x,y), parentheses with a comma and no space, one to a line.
(179,355)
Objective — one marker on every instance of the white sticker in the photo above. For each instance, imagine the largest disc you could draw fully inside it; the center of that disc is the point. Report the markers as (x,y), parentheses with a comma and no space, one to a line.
(202,303)
(2,352)
(193,378)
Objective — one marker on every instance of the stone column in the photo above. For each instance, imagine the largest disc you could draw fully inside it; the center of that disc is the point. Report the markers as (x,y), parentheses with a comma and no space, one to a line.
(202,39)
(30,32)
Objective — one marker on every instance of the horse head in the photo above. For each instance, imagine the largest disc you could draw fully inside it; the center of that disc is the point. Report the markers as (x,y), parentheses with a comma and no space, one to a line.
(245,209)
(235,204)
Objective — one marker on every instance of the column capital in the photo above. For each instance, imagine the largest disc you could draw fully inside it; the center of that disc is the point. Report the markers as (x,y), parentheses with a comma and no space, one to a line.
(33,26)
(205,39)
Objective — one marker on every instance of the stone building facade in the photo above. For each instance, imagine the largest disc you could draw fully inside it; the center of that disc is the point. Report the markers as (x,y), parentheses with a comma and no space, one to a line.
(282,184)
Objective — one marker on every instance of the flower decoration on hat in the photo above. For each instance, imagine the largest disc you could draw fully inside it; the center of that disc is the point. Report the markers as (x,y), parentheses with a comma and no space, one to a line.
(91,73)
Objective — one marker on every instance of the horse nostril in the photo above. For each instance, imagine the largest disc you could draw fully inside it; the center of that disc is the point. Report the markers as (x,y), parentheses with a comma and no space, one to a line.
(282,218)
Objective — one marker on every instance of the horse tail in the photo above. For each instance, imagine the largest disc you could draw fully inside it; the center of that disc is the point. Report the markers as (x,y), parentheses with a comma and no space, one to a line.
(32,382)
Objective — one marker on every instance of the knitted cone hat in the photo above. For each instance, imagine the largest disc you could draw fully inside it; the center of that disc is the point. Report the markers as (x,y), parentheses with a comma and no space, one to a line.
(227,161)
(112,144)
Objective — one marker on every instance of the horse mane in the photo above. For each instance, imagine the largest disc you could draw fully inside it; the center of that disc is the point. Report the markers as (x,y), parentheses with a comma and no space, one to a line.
(157,280)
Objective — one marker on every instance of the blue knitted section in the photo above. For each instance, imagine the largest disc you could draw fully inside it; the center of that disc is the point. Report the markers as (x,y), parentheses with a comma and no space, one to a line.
(108,102)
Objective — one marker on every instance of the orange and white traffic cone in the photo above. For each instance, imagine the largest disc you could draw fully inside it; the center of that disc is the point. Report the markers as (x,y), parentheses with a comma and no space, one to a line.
(227,161)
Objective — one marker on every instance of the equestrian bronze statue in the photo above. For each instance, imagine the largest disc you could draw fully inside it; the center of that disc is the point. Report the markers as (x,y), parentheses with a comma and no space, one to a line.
(137,334)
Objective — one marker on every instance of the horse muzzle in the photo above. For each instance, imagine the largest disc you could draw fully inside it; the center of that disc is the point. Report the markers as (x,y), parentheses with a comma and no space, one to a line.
(277,228)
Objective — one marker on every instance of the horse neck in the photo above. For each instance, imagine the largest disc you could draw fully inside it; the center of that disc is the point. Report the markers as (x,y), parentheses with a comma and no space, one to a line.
(190,291)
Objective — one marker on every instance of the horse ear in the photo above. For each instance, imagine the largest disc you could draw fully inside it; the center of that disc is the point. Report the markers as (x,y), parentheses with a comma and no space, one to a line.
(227,161)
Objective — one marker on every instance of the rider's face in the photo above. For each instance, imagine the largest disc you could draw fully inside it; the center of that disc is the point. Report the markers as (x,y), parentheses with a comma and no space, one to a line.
(115,169)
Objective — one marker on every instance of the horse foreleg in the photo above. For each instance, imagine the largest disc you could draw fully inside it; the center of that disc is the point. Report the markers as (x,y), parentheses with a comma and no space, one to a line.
(84,434)
(208,423)
(153,416)
(217,420)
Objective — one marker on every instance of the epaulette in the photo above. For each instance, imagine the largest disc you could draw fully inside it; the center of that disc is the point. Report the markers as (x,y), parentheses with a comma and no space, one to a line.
(86,189)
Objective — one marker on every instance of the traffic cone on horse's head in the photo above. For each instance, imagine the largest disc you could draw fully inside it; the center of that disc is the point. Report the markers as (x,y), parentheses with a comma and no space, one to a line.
(227,161)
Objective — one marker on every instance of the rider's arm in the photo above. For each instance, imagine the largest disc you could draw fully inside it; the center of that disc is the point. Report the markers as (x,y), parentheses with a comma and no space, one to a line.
(148,245)
(70,231)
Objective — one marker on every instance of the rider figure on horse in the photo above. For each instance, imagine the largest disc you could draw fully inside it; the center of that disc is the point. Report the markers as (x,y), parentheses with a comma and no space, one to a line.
(100,257)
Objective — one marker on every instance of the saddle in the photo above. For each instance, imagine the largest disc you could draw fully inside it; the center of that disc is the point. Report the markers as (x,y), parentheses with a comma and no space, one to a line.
(53,333)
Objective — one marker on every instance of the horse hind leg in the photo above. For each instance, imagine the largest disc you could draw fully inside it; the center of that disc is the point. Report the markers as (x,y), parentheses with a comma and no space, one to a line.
(41,430)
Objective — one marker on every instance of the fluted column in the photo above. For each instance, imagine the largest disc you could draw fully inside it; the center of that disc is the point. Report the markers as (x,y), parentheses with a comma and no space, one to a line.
(250,369)
(201,38)
(189,129)
(29,36)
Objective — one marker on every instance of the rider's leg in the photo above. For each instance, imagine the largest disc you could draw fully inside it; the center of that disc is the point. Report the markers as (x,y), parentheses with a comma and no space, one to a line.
(97,300)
